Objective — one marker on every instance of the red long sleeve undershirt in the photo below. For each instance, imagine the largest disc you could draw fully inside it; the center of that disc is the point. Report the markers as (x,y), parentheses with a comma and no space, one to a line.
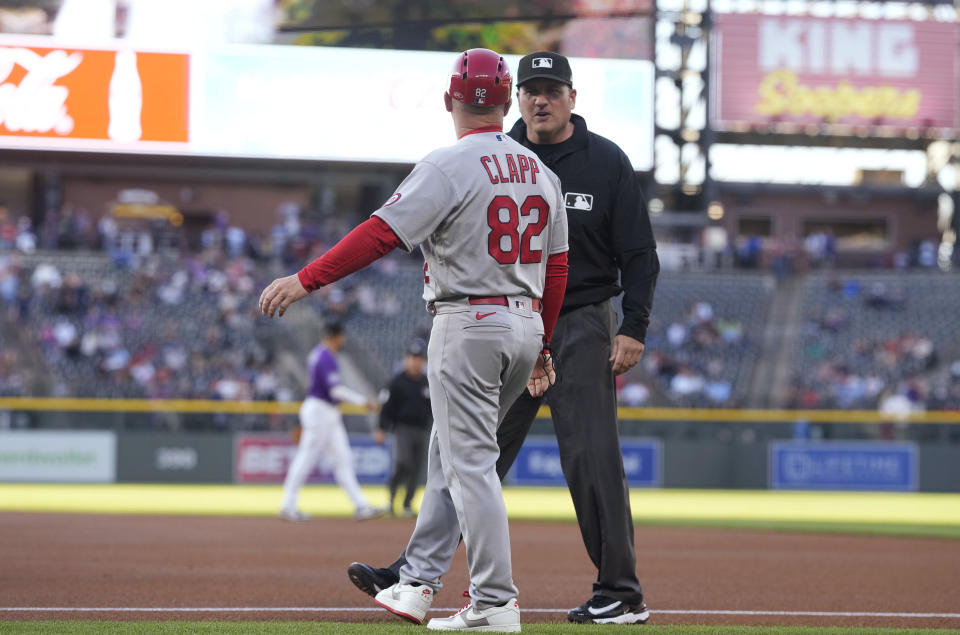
(553,289)
(373,238)
(368,241)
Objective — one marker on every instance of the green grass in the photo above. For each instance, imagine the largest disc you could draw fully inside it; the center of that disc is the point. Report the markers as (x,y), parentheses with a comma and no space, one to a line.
(283,628)
(804,527)
(878,513)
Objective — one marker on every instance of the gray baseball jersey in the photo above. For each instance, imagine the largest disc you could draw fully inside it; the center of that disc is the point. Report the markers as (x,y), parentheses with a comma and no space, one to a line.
(486,214)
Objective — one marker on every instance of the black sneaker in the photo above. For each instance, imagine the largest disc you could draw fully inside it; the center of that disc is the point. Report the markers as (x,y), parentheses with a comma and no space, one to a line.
(369,580)
(603,610)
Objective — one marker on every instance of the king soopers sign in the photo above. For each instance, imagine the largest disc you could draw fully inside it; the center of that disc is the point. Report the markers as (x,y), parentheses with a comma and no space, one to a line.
(833,70)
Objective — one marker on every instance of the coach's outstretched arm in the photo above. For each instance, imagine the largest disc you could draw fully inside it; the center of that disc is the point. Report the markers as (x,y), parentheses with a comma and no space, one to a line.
(369,241)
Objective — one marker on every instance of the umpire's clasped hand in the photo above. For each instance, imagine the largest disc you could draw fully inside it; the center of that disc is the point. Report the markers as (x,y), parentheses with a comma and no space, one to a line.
(626,353)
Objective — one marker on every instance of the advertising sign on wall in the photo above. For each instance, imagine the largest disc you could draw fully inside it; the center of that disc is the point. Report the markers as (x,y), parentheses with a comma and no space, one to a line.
(844,466)
(58,456)
(809,70)
(264,458)
(538,463)
(86,98)
(174,458)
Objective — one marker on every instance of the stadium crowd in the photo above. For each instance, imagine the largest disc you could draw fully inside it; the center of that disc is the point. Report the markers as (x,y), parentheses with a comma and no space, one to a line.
(691,361)
(111,310)
(879,343)
(116,312)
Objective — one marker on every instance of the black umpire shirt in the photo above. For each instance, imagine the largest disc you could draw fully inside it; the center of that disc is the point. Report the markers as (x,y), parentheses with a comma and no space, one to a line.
(408,403)
(611,241)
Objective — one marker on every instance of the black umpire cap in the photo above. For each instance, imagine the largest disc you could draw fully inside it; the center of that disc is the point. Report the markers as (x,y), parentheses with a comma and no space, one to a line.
(546,65)
(417,348)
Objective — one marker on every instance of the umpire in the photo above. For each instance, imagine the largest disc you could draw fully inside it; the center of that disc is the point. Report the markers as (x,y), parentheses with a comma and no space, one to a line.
(610,237)
(610,240)
(406,413)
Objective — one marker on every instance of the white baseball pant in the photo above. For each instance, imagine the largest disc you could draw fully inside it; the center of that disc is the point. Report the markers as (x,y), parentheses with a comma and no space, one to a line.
(323,435)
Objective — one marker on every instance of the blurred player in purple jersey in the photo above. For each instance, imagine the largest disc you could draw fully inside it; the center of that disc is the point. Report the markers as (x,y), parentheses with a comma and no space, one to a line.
(323,433)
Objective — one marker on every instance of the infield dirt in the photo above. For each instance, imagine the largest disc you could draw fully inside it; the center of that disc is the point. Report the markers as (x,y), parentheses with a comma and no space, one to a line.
(72,560)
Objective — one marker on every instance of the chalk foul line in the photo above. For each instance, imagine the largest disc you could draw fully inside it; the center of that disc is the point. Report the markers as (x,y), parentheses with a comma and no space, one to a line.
(355,609)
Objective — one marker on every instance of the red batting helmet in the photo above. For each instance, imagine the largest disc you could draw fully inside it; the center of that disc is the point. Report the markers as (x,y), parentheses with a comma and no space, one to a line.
(481,77)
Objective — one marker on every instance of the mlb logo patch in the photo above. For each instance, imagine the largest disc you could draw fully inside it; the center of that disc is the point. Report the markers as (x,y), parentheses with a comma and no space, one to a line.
(576,200)
(542,62)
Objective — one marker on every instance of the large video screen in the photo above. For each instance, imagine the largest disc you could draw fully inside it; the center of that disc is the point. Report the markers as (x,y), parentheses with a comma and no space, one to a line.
(297,102)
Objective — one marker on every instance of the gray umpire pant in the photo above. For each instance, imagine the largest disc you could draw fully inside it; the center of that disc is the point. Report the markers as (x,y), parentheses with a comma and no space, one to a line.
(583,404)
(478,368)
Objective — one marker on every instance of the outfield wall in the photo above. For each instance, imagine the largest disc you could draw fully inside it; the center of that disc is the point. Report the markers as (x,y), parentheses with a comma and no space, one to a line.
(103,456)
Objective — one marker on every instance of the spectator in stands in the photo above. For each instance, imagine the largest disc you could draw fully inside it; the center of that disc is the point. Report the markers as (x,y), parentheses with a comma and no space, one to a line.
(46,277)
(818,247)
(9,282)
(687,382)
(634,394)
(717,390)
(748,252)
(677,334)
(108,232)
(8,230)
(927,254)
(13,379)
(74,297)
(26,240)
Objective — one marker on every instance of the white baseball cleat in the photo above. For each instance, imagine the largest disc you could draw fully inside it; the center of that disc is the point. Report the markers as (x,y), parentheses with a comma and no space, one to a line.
(294,515)
(406,601)
(367,512)
(496,619)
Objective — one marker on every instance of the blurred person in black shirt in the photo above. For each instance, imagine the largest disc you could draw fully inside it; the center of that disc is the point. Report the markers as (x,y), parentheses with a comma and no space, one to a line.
(406,414)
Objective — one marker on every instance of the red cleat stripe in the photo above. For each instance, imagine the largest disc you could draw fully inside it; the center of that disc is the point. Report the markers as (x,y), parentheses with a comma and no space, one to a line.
(405,616)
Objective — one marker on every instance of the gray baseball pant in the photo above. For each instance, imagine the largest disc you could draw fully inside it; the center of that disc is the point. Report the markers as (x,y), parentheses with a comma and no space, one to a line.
(478,367)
